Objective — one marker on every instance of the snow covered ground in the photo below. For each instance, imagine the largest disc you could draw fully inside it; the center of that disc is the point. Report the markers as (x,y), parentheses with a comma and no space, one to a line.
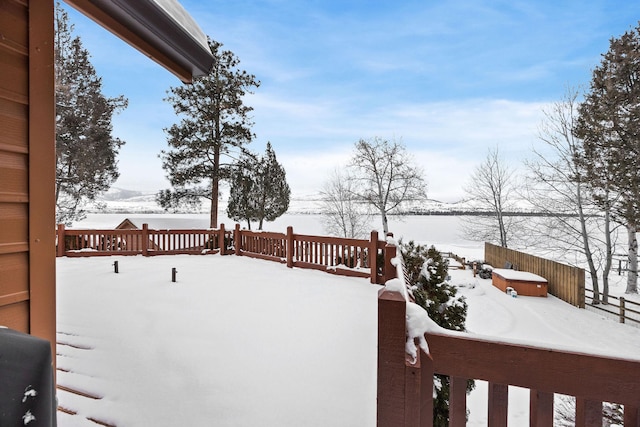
(243,342)
(250,342)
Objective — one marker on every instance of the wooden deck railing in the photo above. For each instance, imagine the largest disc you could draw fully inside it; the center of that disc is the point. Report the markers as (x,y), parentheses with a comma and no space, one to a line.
(348,257)
(405,390)
(140,242)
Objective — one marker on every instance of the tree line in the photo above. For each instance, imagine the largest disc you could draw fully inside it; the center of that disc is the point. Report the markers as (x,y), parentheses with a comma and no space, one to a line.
(207,146)
(584,180)
(585,176)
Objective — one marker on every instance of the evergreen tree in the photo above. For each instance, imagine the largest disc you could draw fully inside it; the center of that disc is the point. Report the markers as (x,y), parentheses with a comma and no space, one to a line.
(259,189)
(610,130)
(214,124)
(427,272)
(241,206)
(272,189)
(86,151)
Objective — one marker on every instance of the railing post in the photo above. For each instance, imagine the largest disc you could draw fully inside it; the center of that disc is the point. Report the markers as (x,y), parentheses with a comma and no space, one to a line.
(145,239)
(237,239)
(622,309)
(290,248)
(61,240)
(373,256)
(390,252)
(221,243)
(391,358)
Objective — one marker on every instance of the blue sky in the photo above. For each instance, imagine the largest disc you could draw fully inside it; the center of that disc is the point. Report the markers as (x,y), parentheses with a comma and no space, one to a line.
(449,78)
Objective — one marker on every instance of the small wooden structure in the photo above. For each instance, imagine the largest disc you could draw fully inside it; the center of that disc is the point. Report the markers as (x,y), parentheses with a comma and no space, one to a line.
(524,283)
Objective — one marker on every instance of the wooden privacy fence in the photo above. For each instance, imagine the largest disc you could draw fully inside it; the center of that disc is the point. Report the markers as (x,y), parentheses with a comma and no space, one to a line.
(405,389)
(348,257)
(564,281)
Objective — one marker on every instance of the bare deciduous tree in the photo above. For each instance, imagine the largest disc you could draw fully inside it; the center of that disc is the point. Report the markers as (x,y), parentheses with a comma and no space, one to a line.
(385,177)
(344,215)
(492,188)
(556,187)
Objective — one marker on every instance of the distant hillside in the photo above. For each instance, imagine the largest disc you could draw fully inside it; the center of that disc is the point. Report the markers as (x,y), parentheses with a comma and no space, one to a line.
(118,200)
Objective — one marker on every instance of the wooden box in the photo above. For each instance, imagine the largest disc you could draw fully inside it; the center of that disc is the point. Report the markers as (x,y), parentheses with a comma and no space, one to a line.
(524,283)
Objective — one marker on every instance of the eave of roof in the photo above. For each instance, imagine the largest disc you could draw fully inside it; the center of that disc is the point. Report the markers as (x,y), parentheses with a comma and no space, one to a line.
(161,29)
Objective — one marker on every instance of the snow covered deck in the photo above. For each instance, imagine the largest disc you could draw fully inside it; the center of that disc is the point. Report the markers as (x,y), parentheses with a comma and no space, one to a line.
(234,342)
(240,341)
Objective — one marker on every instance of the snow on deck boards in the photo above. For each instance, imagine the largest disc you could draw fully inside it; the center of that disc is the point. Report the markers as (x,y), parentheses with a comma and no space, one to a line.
(249,342)
(235,340)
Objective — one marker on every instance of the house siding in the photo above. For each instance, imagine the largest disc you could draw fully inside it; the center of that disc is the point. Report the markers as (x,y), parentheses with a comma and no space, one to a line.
(14,166)
(27,168)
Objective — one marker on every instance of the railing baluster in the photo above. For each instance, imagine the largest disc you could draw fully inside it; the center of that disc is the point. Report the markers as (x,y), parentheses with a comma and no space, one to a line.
(540,409)
(457,402)
(588,413)
(631,415)
(498,405)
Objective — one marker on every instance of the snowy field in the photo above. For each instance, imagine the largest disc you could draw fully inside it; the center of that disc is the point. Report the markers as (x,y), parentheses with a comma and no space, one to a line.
(244,342)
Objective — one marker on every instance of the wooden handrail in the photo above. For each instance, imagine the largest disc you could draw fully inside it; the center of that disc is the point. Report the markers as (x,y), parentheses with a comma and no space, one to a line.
(405,388)
(350,257)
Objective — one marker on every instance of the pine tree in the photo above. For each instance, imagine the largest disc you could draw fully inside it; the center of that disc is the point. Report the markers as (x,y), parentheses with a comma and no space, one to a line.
(427,272)
(215,124)
(241,206)
(610,130)
(259,189)
(272,189)
(86,150)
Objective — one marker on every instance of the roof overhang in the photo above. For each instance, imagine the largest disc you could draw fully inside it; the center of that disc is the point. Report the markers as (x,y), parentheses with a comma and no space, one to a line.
(161,29)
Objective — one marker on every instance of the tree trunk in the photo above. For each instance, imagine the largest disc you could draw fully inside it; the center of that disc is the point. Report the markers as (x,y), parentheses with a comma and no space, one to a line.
(385,222)
(503,230)
(215,183)
(632,276)
(609,260)
(593,271)
(213,215)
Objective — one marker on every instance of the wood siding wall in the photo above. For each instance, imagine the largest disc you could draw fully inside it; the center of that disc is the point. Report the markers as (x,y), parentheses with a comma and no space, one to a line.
(27,167)
(564,281)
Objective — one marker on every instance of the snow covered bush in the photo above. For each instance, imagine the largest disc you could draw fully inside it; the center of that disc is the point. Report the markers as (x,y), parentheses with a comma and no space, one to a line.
(426,272)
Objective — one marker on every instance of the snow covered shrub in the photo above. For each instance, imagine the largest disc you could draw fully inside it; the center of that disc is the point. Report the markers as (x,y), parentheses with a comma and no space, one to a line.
(426,273)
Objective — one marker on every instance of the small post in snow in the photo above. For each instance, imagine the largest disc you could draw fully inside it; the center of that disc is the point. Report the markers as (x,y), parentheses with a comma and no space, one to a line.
(115,266)
(174,272)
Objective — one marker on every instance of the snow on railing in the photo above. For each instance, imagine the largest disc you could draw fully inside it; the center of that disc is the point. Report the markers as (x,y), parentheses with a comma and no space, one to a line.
(406,379)
(342,256)
(418,321)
